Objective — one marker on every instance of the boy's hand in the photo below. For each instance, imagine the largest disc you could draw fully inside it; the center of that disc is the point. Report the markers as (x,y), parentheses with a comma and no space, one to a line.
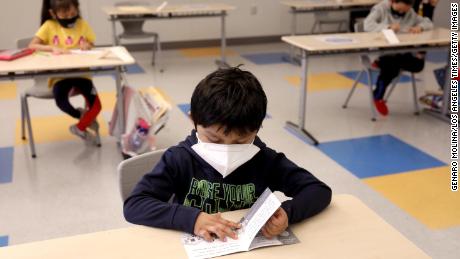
(85,45)
(395,27)
(277,223)
(59,51)
(416,29)
(208,224)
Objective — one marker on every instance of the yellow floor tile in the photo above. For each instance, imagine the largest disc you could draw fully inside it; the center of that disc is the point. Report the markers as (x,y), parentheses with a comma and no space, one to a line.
(323,81)
(205,52)
(8,91)
(108,100)
(424,194)
(54,128)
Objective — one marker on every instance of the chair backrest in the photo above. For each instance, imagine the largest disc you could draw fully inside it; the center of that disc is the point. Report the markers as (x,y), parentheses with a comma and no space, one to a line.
(359,26)
(23,43)
(132,27)
(130,171)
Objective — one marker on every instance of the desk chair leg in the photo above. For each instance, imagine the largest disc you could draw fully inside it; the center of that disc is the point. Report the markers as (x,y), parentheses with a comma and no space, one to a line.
(29,128)
(313,29)
(414,90)
(371,96)
(23,117)
(392,87)
(353,89)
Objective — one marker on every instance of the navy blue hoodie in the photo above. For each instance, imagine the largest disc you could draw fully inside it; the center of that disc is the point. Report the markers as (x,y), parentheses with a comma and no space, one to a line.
(197,187)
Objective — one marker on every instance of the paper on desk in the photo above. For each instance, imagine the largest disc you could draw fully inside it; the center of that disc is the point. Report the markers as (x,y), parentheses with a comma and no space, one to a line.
(87,52)
(121,53)
(248,237)
(337,39)
(390,36)
(163,5)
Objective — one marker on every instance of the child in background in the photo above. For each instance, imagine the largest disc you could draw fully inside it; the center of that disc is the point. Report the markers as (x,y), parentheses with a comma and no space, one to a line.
(222,165)
(399,16)
(63,29)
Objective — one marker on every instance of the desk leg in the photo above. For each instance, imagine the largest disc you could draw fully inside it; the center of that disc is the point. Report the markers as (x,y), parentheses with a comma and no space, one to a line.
(293,31)
(299,128)
(120,102)
(222,63)
(114,32)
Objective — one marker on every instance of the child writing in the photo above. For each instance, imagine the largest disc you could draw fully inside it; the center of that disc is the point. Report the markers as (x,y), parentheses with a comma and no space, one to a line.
(222,165)
(63,29)
(399,16)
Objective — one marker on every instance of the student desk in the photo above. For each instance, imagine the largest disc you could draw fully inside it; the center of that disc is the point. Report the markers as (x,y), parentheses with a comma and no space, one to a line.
(310,6)
(136,13)
(361,43)
(48,65)
(346,229)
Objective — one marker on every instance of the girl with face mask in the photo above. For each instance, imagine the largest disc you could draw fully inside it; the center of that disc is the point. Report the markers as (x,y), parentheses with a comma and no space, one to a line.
(62,29)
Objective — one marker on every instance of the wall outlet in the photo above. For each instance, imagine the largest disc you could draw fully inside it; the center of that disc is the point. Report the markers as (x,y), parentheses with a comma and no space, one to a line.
(254,10)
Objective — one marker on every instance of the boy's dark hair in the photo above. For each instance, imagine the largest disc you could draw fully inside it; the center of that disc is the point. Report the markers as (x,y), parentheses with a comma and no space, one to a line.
(408,2)
(56,5)
(232,98)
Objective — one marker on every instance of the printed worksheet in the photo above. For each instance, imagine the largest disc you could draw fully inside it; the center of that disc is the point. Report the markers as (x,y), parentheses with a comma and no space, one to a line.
(249,235)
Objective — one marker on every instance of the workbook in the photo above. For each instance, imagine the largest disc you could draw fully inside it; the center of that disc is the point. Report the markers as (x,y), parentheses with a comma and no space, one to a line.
(12,54)
(249,235)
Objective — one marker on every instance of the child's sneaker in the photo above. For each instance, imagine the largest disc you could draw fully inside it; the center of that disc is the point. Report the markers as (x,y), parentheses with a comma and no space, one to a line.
(94,126)
(381,107)
(79,133)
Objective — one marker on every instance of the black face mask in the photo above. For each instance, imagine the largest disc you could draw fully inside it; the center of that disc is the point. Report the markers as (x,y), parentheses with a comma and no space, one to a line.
(397,14)
(68,23)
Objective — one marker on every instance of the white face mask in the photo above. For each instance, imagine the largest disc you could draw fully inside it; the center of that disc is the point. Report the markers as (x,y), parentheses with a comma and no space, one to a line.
(225,158)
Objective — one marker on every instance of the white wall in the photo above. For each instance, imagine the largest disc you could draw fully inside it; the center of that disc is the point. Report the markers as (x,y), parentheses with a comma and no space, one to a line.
(20,19)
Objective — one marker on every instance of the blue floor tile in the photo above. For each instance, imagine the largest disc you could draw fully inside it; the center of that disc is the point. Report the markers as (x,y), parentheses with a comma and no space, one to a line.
(185,108)
(377,156)
(3,241)
(130,69)
(267,58)
(353,74)
(6,164)
(439,56)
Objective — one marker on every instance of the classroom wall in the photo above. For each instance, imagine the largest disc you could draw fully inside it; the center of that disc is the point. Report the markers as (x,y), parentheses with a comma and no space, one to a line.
(20,19)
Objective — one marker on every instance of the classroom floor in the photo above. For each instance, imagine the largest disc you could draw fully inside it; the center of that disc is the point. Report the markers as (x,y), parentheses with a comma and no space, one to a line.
(396,165)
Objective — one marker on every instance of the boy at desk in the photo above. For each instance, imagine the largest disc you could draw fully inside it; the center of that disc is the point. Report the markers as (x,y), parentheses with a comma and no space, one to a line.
(223,165)
(399,16)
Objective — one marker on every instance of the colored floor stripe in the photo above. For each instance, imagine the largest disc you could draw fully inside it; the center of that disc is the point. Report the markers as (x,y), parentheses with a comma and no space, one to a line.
(4,241)
(205,52)
(267,58)
(322,82)
(439,56)
(185,108)
(353,74)
(377,156)
(6,164)
(130,69)
(54,128)
(8,91)
(424,194)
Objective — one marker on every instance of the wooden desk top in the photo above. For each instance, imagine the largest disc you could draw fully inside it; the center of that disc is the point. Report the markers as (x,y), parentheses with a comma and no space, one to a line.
(347,229)
(323,4)
(47,61)
(177,9)
(366,40)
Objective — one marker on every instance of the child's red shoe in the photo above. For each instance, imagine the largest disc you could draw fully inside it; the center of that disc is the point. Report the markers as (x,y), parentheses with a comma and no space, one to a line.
(381,107)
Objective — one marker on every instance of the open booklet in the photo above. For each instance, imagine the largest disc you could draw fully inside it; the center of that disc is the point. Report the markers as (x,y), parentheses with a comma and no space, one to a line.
(249,236)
